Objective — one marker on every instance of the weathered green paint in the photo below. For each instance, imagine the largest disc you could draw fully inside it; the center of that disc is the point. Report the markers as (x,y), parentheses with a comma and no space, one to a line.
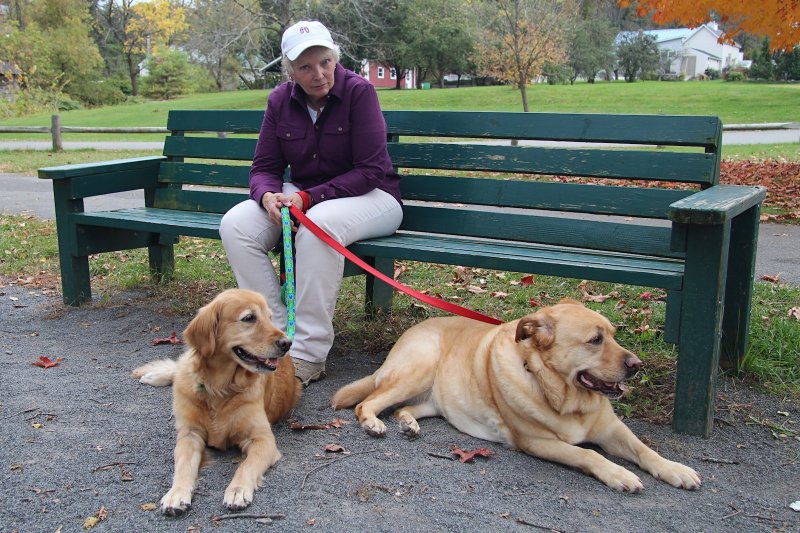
(699,339)
(613,164)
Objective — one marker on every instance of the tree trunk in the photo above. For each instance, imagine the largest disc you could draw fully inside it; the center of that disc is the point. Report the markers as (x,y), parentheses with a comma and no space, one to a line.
(523,89)
(133,72)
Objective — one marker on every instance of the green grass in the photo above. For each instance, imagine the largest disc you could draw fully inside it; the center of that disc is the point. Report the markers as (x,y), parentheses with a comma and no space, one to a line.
(772,362)
(733,102)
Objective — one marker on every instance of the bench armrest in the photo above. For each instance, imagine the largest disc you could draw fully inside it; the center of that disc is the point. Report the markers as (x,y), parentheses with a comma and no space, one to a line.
(716,205)
(94,179)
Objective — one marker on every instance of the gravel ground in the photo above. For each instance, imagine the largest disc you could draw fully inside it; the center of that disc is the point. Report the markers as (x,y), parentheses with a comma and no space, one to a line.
(83,439)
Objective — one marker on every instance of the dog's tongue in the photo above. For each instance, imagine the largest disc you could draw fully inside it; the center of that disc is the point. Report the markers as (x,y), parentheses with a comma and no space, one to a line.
(273,361)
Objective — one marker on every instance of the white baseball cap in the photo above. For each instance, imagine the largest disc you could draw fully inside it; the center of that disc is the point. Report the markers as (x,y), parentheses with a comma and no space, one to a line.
(303,35)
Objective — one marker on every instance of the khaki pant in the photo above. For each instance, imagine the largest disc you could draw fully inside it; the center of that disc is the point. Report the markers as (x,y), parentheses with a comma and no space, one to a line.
(248,234)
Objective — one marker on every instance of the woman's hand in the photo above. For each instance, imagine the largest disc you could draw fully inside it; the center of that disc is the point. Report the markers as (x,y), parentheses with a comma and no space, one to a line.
(273,202)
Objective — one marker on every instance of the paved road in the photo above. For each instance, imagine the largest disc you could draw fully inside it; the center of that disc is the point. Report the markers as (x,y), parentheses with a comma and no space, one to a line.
(778,250)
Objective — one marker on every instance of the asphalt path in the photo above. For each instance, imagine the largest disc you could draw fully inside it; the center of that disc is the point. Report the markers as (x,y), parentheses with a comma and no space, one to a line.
(778,245)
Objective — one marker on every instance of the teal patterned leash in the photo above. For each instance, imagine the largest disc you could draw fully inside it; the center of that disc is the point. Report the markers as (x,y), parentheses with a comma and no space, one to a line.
(288,286)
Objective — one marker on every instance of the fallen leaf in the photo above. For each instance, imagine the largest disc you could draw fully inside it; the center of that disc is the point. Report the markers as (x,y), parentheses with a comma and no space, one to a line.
(149,506)
(37,425)
(335,448)
(467,456)
(90,522)
(46,362)
(533,302)
(794,312)
(474,289)
(172,339)
(499,294)
(772,279)
(527,280)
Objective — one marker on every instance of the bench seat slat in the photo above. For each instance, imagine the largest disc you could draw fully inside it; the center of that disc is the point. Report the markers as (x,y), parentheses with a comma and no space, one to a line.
(528,258)
(665,130)
(149,219)
(571,197)
(615,164)
(210,148)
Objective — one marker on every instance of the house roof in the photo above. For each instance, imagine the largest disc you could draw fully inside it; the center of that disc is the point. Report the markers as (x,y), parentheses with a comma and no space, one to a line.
(670,34)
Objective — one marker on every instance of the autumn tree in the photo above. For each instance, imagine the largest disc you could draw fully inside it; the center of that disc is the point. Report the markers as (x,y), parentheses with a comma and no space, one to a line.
(777,19)
(521,36)
(141,28)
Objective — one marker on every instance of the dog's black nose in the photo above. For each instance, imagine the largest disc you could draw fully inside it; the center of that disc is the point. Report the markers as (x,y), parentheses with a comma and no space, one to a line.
(284,344)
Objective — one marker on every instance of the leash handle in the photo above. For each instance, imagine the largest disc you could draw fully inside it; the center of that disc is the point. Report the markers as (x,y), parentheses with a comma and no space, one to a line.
(430,300)
(288,286)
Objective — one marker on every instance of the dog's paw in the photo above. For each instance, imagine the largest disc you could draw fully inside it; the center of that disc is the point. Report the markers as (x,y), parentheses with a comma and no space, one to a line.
(678,475)
(623,480)
(408,425)
(176,502)
(238,498)
(374,427)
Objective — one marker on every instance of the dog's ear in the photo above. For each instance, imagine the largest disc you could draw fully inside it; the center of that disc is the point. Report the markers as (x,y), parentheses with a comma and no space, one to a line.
(201,333)
(570,301)
(540,328)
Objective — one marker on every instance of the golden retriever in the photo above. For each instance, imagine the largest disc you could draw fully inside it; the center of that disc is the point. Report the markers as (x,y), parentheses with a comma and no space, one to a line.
(227,387)
(540,384)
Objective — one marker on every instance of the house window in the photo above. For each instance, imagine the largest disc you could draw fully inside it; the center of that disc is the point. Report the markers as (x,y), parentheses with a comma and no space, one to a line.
(380,73)
(393,73)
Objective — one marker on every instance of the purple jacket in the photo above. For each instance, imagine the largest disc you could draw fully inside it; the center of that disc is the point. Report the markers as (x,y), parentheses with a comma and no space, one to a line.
(343,154)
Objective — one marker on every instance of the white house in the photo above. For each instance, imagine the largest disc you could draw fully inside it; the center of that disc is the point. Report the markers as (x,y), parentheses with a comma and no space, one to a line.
(693,50)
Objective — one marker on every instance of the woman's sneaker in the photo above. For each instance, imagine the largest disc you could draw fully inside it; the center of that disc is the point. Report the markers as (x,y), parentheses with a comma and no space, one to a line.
(307,372)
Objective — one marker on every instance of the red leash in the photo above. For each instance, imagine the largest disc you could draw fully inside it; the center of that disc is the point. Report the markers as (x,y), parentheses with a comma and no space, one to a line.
(435,302)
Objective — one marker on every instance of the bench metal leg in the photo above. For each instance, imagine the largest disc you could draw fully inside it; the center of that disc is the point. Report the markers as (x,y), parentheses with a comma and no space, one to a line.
(379,294)
(739,288)
(700,329)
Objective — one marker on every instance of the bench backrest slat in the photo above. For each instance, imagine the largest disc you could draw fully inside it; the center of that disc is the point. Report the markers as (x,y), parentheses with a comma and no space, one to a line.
(665,130)
(571,197)
(198,200)
(205,174)
(216,120)
(565,231)
(237,149)
(698,168)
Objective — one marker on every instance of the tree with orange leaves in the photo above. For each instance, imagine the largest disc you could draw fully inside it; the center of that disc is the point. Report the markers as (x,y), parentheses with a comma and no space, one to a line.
(777,19)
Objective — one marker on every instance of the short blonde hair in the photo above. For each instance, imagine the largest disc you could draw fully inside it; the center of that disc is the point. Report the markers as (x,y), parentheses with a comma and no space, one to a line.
(288,69)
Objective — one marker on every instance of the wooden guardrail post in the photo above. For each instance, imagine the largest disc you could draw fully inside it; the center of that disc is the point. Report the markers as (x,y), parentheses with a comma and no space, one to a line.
(55,131)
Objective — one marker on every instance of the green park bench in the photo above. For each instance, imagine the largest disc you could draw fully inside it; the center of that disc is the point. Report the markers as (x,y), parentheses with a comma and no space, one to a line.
(697,242)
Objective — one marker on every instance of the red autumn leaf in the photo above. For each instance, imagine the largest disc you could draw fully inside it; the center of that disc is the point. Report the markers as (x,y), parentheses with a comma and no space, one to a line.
(172,339)
(533,302)
(46,362)
(468,456)
(527,280)
(772,279)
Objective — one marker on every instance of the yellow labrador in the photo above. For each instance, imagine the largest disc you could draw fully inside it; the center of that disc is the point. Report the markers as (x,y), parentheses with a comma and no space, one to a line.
(540,384)
(227,388)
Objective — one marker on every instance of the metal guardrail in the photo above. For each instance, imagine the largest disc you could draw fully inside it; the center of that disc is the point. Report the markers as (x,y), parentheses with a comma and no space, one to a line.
(56,129)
